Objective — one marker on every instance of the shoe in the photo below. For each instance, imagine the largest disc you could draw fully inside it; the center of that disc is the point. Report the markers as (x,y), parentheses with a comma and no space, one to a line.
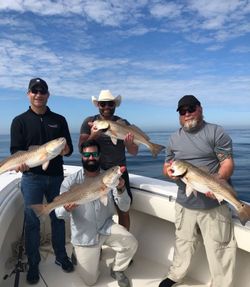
(33,274)
(122,279)
(65,263)
(167,283)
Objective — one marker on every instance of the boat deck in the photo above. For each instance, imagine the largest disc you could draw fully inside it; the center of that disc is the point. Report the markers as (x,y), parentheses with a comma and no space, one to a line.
(142,272)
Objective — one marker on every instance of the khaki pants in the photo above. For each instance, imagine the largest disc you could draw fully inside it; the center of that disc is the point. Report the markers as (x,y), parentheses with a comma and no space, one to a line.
(216,229)
(88,257)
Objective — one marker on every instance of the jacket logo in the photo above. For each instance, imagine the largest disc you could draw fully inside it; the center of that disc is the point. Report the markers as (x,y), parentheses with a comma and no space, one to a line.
(53,126)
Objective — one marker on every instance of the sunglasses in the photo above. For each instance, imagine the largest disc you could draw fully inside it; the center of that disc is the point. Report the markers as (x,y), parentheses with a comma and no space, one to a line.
(88,154)
(36,91)
(103,104)
(190,109)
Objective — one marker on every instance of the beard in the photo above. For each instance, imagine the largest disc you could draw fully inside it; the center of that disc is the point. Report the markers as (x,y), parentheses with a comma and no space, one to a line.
(107,112)
(91,165)
(193,125)
(190,125)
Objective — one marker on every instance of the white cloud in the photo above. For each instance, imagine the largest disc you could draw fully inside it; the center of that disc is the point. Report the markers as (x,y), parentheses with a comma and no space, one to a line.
(214,48)
(109,12)
(66,50)
(213,8)
(166,10)
(241,49)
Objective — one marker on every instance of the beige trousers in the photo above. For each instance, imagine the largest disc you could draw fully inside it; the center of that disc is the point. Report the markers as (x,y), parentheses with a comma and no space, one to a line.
(88,257)
(216,228)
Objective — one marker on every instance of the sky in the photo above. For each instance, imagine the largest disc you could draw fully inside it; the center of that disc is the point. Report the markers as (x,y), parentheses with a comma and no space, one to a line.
(149,52)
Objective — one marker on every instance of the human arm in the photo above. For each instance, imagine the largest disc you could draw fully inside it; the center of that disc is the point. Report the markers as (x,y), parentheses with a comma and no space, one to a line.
(17,136)
(68,149)
(168,160)
(68,182)
(17,142)
(226,168)
(88,131)
(121,196)
(94,134)
(131,147)
(224,153)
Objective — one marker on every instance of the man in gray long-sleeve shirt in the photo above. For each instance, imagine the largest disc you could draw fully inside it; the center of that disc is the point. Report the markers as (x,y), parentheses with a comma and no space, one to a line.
(92,224)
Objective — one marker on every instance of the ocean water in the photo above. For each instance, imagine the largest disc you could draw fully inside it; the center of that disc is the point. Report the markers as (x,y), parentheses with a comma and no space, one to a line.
(144,164)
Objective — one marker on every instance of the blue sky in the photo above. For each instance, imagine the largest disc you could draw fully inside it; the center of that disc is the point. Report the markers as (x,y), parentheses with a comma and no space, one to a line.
(150,52)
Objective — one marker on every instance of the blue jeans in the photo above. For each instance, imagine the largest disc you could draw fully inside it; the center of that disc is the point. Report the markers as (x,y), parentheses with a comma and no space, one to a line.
(34,187)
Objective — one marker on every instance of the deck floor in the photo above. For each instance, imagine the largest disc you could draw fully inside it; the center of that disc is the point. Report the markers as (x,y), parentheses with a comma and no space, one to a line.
(142,272)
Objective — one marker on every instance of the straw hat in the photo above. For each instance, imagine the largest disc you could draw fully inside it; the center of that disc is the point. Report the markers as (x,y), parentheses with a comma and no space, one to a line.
(104,96)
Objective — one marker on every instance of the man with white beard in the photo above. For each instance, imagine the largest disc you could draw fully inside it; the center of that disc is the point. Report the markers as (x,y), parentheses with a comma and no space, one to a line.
(207,146)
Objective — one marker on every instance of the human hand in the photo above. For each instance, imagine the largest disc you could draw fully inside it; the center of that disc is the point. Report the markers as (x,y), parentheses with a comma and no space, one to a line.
(65,151)
(129,139)
(22,167)
(94,132)
(70,206)
(210,195)
(121,183)
(121,186)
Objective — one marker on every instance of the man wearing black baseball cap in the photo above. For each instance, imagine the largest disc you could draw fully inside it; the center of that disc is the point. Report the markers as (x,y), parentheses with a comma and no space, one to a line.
(207,146)
(39,84)
(37,126)
(188,100)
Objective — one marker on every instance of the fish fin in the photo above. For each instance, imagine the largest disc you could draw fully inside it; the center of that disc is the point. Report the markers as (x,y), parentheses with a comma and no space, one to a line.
(121,122)
(155,148)
(45,165)
(114,140)
(32,147)
(139,131)
(190,190)
(218,197)
(40,209)
(133,128)
(104,200)
(244,213)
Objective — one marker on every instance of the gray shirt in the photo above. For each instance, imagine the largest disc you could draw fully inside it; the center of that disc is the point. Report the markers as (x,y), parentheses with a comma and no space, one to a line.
(91,219)
(203,148)
(111,154)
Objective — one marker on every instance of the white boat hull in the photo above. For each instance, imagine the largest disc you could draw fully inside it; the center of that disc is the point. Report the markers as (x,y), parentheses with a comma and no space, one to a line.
(152,223)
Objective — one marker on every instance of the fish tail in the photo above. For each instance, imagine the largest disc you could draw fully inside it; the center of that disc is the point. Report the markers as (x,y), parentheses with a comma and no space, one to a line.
(155,148)
(244,213)
(40,209)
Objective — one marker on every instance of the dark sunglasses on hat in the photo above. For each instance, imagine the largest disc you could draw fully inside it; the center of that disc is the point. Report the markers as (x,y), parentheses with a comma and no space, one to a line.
(190,109)
(103,104)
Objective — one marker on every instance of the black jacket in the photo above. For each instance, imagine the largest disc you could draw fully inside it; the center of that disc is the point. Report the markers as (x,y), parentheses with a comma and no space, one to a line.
(29,129)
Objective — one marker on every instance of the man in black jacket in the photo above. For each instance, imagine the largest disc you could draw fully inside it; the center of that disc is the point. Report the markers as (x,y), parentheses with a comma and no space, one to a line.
(37,126)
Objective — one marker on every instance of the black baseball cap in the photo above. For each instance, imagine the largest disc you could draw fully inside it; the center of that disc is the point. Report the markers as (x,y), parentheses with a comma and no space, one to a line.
(38,83)
(188,100)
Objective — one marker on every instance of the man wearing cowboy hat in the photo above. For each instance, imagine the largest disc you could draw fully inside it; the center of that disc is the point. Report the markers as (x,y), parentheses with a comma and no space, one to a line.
(111,154)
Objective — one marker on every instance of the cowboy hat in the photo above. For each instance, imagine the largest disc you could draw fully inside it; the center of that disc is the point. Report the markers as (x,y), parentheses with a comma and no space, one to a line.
(105,95)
